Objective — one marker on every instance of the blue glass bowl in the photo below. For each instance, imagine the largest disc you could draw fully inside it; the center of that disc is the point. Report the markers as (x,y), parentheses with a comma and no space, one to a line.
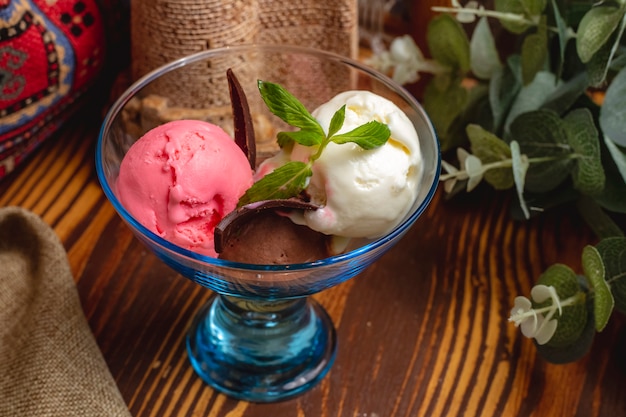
(260,337)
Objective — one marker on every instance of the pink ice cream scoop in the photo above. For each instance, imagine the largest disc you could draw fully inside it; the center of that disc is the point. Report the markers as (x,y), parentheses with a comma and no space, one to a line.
(181,178)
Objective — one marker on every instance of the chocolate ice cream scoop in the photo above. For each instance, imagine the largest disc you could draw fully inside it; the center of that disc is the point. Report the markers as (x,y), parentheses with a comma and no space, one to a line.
(270,238)
(260,234)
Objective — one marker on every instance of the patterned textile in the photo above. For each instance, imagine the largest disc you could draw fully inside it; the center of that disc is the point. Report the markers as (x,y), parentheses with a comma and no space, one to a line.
(50,53)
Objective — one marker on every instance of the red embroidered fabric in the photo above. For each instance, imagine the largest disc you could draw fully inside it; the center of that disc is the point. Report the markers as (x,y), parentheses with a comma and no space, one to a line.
(51,52)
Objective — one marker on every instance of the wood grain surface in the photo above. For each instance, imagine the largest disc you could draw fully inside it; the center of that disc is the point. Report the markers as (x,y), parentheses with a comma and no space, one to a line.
(423,332)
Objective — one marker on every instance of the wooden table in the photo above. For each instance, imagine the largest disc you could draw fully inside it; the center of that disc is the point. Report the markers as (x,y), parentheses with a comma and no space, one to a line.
(423,332)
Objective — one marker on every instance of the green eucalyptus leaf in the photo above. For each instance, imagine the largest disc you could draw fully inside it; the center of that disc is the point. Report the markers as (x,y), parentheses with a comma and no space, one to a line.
(503,88)
(532,96)
(534,52)
(444,100)
(582,135)
(612,114)
(595,29)
(563,36)
(448,43)
(284,182)
(598,66)
(484,57)
(514,62)
(619,61)
(490,148)
(603,302)
(534,7)
(368,136)
(613,253)
(542,134)
(578,348)
(514,7)
(520,167)
(477,109)
(566,94)
(574,317)
(618,154)
(600,63)
(613,197)
(573,351)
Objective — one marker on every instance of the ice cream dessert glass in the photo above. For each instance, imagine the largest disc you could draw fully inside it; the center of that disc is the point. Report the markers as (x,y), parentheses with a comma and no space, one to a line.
(260,337)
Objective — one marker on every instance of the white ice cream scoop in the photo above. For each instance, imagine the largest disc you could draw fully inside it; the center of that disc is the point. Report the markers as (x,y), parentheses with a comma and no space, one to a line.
(364,193)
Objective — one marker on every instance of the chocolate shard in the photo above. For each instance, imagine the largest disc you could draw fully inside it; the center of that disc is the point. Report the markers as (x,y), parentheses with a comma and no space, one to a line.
(244,129)
(230,224)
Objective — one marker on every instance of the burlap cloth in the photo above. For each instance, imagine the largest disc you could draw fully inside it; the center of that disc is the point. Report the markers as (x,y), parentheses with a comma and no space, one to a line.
(50,364)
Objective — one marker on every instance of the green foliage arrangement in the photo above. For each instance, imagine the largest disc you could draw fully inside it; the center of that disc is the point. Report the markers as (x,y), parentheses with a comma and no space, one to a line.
(529,123)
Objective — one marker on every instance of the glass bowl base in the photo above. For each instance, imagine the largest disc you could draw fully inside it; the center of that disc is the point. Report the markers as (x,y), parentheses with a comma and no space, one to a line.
(261,351)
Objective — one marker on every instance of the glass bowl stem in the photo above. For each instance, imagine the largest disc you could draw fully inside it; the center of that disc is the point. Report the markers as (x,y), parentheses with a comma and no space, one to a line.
(261,350)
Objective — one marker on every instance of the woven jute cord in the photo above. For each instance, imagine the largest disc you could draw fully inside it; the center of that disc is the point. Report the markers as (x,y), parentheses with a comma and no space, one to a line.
(165,30)
(50,364)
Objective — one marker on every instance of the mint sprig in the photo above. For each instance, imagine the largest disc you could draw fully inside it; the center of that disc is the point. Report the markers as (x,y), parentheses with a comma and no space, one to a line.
(291,179)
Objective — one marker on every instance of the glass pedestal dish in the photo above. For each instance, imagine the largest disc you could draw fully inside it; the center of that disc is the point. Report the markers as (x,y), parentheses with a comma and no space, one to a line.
(261,337)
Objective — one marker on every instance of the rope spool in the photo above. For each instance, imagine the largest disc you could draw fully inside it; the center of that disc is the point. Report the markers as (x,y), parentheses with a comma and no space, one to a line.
(165,30)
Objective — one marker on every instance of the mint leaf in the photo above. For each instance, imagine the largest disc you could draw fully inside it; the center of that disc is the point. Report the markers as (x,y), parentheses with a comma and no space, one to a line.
(337,121)
(284,182)
(284,139)
(303,137)
(284,105)
(368,136)
(602,298)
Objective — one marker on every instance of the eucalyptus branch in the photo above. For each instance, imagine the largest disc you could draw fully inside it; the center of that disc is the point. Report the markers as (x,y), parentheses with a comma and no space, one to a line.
(532,100)
(616,278)
(508,163)
(511,17)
